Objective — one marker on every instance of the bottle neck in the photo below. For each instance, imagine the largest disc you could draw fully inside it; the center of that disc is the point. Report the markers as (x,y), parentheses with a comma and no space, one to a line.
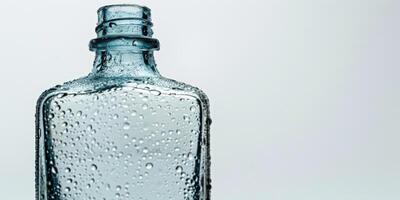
(124,45)
(125,63)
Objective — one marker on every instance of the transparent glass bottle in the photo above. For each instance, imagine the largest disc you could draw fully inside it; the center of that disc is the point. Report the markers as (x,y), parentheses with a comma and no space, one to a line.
(123,131)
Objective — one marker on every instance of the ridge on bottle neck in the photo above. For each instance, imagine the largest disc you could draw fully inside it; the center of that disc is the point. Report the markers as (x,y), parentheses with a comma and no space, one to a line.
(124,45)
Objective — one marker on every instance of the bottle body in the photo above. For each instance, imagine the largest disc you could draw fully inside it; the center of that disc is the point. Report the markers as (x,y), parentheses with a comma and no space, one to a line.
(123,132)
(131,140)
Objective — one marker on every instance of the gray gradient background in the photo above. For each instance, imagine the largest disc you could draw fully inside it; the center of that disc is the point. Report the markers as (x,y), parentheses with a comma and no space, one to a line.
(305,93)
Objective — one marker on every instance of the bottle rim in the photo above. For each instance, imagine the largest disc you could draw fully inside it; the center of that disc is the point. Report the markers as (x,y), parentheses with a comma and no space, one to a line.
(144,8)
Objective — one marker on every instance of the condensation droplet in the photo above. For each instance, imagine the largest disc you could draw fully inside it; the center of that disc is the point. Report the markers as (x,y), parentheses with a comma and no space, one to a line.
(190,156)
(155,92)
(93,167)
(118,188)
(58,107)
(179,169)
(126,126)
(186,118)
(149,165)
(54,170)
(112,24)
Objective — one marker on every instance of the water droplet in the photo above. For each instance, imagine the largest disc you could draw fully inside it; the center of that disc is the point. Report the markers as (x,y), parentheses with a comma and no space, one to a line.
(93,167)
(145,150)
(179,169)
(112,24)
(126,126)
(155,92)
(193,108)
(67,169)
(58,107)
(190,156)
(208,121)
(186,118)
(149,165)
(67,189)
(54,170)
(145,106)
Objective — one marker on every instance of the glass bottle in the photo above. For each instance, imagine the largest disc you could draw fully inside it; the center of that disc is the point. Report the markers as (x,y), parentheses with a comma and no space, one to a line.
(123,131)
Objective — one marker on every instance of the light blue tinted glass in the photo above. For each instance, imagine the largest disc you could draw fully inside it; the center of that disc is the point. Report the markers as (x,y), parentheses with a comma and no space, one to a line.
(123,131)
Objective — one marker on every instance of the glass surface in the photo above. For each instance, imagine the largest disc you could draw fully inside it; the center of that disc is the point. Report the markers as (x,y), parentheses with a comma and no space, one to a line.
(124,131)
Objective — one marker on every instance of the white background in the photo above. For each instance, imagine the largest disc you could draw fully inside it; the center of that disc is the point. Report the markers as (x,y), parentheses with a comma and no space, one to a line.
(304,93)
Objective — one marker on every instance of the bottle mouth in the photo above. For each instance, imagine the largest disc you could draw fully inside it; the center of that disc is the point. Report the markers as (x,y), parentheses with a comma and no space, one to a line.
(124,26)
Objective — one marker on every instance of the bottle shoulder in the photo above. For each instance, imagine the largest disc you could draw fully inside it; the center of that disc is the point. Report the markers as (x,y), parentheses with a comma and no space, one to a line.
(67,87)
(181,87)
(94,84)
